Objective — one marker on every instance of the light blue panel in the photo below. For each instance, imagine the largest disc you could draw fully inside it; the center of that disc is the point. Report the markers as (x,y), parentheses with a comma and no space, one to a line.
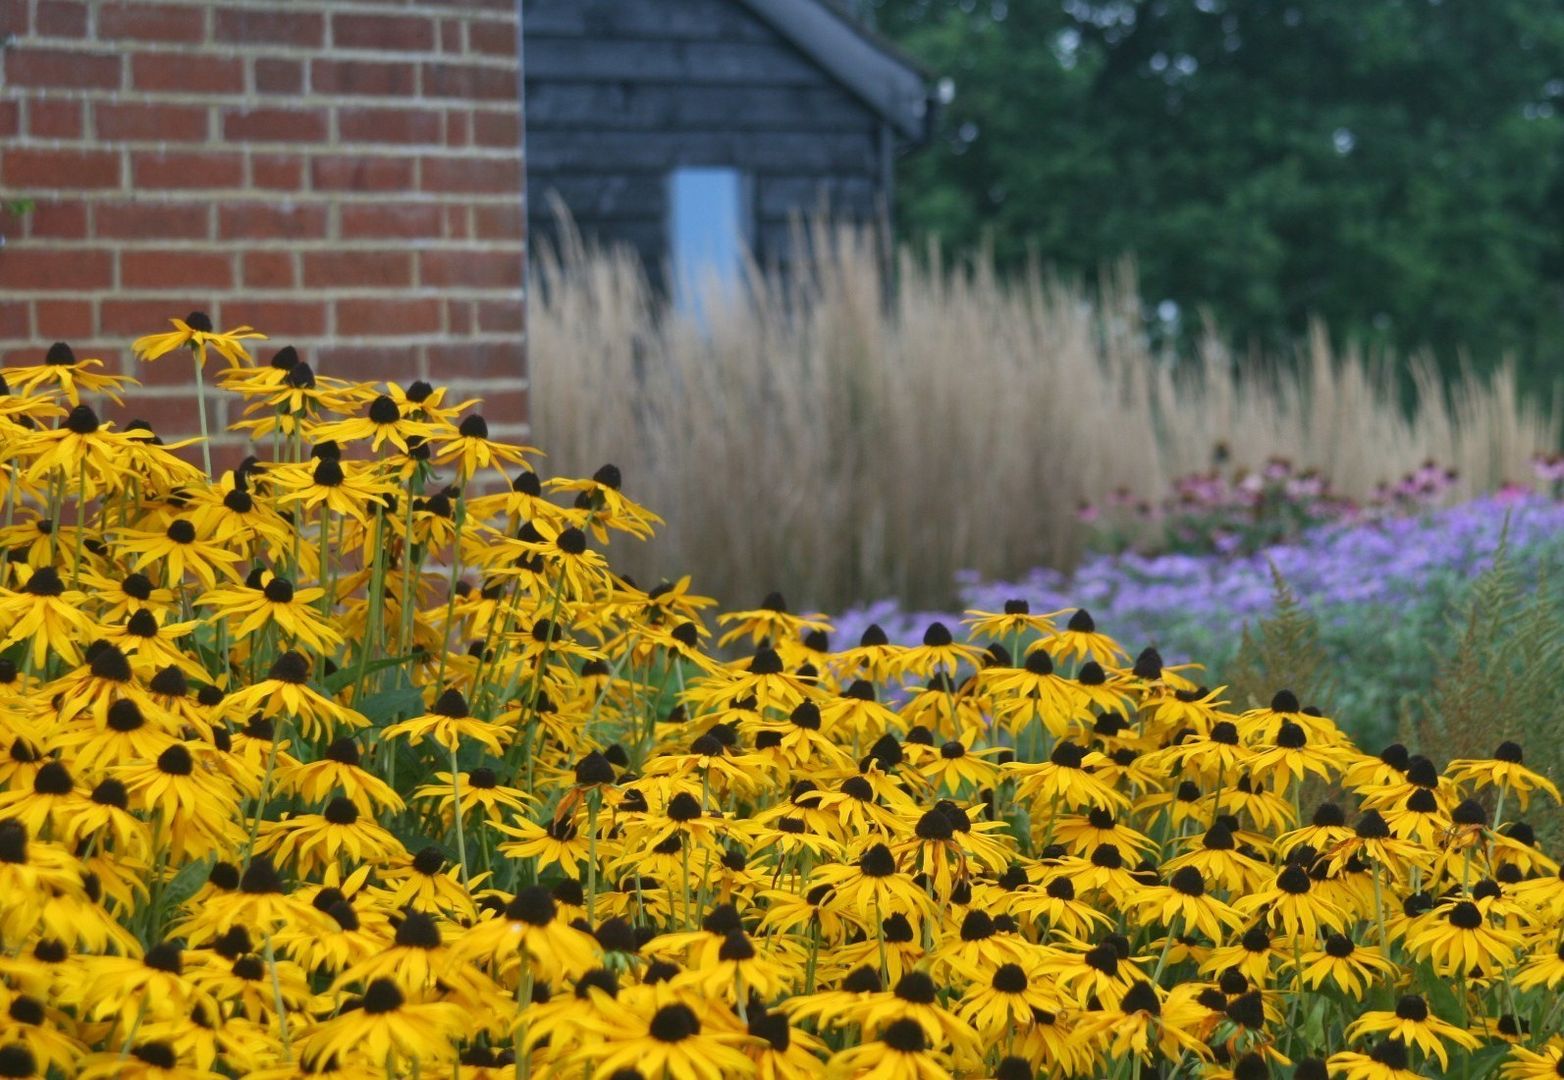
(707,220)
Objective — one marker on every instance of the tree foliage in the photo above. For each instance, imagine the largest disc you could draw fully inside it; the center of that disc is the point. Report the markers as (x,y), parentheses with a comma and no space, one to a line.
(1394,167)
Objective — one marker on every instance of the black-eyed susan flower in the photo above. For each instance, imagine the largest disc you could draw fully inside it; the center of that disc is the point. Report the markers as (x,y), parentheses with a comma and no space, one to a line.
(274,602)
(471,450)
(286,693)
(1413,1024)
(61,371)
(386,1024)
(1344,963)
(196,331)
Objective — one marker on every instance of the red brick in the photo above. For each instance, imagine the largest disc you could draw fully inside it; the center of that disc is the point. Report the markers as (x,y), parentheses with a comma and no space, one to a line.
(451,36)
(277,318)
(501,317)
(389,318)
(60,18)
(362,77)
(278,76)
(358,269)
(497,38)
(388,125)
(158,220)
(472,269)
(274,125)
(15,322)
(174,370)
(65,68)
(458,221)
(58,221)
(458,316)
(458,128)
(13,18)
(496,128)
(40,270)
(24,167)
(10,118)
(171,415)
(469,81)
(269,26)
(361,173)
(187,74)
(268,270)
(170,269)
(498,175)
(504,407)
(277,172)
(368,362)
(270,221)
(156,169)
(140,21)
(148,120)
(61,320)
(479,359)
(394,33)
(502,221)
(51,118)
(401,220)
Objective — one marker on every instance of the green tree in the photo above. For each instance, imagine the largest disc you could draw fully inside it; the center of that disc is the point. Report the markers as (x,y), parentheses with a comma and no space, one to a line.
(1395,167)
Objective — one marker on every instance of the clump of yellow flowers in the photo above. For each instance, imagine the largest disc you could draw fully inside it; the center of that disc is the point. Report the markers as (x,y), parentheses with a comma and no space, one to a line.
(358,760)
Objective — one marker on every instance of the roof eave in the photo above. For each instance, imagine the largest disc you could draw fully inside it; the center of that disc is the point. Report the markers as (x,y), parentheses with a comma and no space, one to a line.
(891,84)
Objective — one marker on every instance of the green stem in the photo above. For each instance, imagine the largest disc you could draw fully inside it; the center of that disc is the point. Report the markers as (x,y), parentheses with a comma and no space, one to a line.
(206,443)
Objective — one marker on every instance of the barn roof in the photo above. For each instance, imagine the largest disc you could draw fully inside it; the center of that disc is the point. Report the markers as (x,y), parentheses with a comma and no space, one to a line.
(886,79)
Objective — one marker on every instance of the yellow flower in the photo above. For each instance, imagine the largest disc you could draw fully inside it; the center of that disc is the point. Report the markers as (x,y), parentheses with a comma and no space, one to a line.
(196,331)
(61,369)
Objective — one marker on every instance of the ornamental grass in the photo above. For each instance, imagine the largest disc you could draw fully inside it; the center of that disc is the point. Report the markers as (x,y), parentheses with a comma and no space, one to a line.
(800,427)
(358,760)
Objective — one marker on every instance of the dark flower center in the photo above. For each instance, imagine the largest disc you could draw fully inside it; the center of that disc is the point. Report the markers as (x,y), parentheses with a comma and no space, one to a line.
(1294,880)
(383,411)
(82,420)
(44,582)
(159,1055)
(917,988)
(341,811)
(1413,1008)
(683,807)
(53,779)
(291,667)
(474,427)
(418,931)
(1010,979)
(1141,998)
(674,1023)
(1465,916)
(176,761)
(1188,881)
(532,905)
(382,997)
(904,1036)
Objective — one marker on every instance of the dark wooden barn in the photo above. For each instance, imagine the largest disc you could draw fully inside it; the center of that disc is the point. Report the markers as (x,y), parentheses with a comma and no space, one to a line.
(694,129)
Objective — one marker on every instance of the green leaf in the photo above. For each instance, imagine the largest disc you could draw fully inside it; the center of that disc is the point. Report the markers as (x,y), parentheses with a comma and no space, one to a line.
(186,882)
(1442,997)
(347,676)
(387,705)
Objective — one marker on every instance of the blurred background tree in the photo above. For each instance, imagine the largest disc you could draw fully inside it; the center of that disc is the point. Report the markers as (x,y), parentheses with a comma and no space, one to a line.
(1394,167)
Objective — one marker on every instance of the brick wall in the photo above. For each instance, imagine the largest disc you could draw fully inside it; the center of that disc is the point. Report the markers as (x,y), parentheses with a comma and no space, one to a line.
(345,175)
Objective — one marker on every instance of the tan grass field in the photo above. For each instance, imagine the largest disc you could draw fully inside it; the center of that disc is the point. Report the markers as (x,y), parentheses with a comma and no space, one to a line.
(814,437)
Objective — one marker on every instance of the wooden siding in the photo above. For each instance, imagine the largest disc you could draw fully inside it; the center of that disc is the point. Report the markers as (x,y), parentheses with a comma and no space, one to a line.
(620,92)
